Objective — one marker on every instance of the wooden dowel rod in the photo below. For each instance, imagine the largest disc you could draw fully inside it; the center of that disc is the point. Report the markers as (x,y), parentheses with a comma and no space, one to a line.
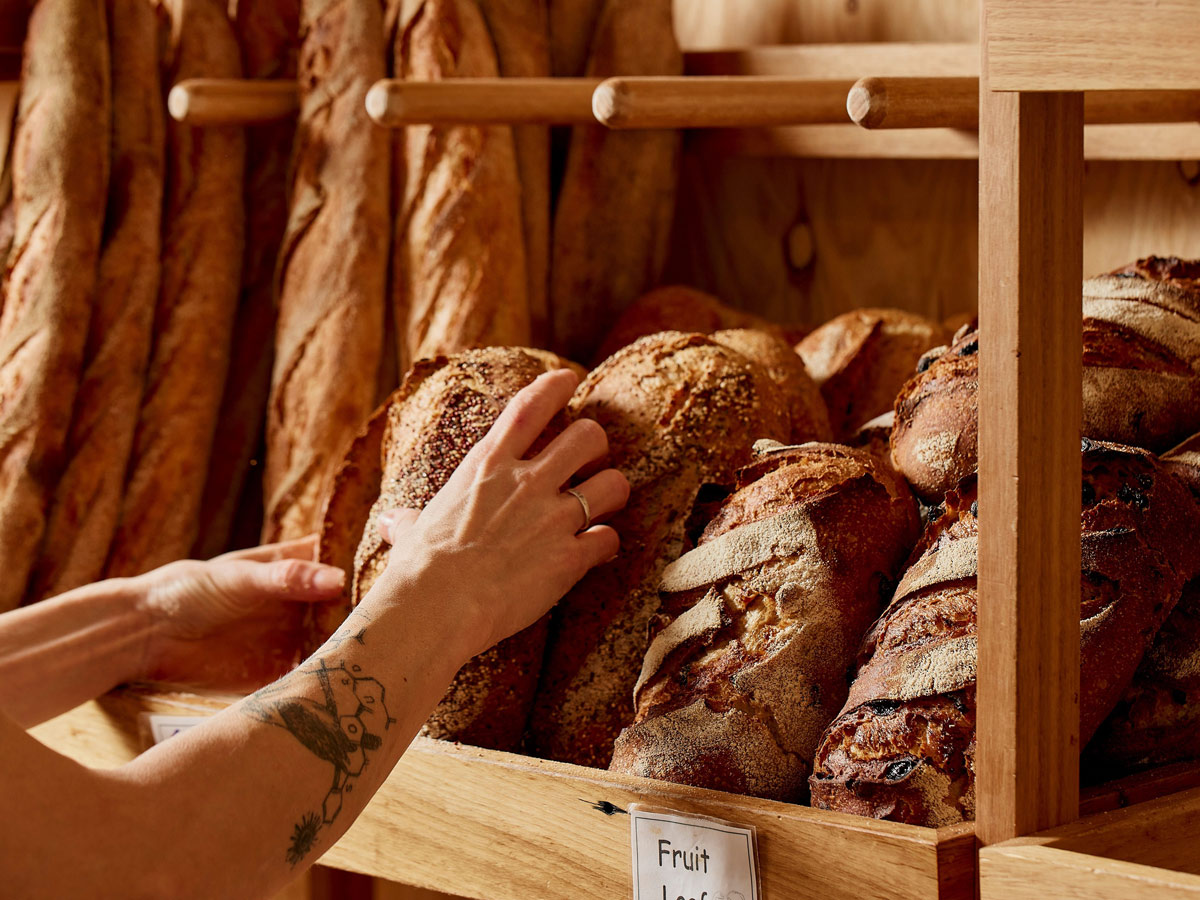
(545,101)
(954,103)
(231,101)
(629,102)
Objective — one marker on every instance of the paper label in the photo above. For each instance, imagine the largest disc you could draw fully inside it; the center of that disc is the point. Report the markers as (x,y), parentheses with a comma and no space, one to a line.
(163,727)
(683,857)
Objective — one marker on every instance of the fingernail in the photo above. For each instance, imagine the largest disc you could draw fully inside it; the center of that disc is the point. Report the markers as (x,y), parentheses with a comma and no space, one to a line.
(328,579)
(387,521)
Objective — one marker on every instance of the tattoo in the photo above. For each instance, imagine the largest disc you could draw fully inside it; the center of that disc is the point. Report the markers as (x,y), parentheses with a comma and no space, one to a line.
(341,728)
(353,629)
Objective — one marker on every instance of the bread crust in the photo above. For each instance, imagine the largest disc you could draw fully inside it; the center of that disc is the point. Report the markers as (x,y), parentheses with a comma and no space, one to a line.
(333,265)
(59,171)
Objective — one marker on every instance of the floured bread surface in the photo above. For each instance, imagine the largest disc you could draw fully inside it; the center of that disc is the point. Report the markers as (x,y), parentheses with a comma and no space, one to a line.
(736,689)
(903,746)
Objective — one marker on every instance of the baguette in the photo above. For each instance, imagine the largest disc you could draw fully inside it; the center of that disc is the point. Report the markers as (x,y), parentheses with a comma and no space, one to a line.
(460,278)
(572,26)
(613,216)
(333,265)
(87,499)
(765,616)
(680,411)
(59,177)
(193,322)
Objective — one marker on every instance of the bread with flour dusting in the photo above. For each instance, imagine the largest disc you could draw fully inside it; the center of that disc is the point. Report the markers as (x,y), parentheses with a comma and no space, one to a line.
(903,747)
(765,616)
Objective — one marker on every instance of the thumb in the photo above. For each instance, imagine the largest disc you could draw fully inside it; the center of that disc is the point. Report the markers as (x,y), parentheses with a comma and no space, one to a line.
(282,579)
(394,523)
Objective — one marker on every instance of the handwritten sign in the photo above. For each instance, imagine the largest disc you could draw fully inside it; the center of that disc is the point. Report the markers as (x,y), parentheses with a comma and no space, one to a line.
(683,857)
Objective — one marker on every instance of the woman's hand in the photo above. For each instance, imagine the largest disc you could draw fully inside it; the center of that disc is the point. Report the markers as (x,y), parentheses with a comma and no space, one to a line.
(502,541)
(231,622)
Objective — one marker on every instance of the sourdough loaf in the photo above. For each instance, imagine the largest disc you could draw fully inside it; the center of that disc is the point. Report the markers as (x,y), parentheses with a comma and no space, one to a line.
(197,300)
(765,616)
(861,359)
(903,746)
(442,410)
(87,498)
(59,174)
(680,411)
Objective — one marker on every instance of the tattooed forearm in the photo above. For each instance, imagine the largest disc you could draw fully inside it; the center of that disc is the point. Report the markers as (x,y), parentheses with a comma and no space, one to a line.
(341,728)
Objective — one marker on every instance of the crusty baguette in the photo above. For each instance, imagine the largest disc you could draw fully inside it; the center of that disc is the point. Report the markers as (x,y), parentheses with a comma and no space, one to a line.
(197,301)
(614,210)
(268,33)
(333,265)
(680,411)
(572,25)
(60,170)
(460,278)
(87,499)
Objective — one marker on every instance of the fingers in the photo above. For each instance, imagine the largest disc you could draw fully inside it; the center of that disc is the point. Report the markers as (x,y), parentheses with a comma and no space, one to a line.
(284,579)
(300,548)
(605,492)
(598,544)
(394,522)
(529,412)
(581,442)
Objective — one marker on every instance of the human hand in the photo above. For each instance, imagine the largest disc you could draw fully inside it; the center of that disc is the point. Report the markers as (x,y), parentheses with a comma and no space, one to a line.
(502,541)
(232,622)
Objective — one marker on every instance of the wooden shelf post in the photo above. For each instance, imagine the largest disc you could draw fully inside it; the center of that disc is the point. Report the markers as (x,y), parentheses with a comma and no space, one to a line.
(1030,263)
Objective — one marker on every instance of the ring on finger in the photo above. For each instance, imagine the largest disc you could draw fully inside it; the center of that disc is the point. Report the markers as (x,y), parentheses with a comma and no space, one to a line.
(587,508)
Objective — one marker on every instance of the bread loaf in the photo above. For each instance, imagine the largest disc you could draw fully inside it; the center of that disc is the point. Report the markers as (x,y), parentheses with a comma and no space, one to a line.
(332,263)
(59,173)
(876,437)
(680,411)
(766,614)
(903,746)
(443,409)
(861,359)
(613,215)
(935,436)
(460,278)
(87,498)
(572,26)
(268,32)
(197,301)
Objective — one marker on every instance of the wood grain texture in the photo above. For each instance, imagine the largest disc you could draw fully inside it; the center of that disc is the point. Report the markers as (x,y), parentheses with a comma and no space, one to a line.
(193,321)
(1030,252)
(88,496)
(59,171)
(1019,872)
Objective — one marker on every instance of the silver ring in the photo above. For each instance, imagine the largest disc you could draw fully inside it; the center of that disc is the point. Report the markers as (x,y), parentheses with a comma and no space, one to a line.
(587,509)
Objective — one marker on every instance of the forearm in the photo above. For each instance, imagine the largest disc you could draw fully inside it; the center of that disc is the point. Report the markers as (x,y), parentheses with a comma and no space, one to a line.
(56,654)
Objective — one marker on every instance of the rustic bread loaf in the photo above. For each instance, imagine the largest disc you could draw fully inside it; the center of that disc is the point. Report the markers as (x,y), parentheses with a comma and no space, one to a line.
(680,411)
(87,498)
(876,437)
(460,278)
(861,359)
(197,300)
(332,264)
(766,614)
(676,307)
(809,418)
(1141,353)
(444,407)
(572,26)
(59,172)
(613,217)
(903,746)
(935,436)
(268,32)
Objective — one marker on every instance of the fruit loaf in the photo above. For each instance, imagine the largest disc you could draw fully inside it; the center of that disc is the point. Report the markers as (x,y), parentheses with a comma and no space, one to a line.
(680,411)
(442,410)
(59,175)
(613,215)
(460,278)
(903,746)
(87,499)
(197,301)
(861,359)
(766,614)
(332,263)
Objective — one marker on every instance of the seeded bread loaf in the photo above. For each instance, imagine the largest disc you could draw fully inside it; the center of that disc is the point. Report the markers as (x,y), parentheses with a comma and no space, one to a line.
(903,746)
(766,614)
(861,359)
(680,411)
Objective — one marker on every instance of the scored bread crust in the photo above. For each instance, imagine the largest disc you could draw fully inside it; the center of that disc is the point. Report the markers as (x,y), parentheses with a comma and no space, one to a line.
(861,359)
(903,746)
(768,611)
(680,411)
